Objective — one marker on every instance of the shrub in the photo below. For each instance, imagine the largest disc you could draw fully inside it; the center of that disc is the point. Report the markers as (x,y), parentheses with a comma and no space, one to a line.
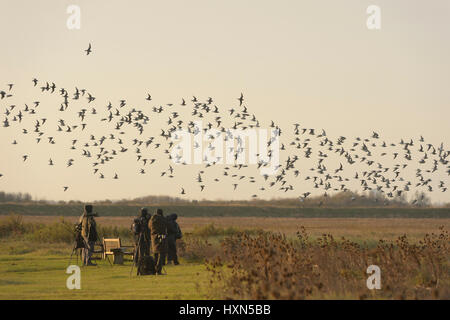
(194,249)
(210,230)
(114,232)
(58,232)
(269,266)
(13,225)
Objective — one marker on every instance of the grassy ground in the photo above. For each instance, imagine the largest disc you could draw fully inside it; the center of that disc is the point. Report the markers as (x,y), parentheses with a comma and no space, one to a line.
(228,211)
(36,270)
(27,272)
(355,229)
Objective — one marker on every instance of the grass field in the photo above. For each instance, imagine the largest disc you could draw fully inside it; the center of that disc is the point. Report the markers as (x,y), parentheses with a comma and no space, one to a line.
(227,211)
(27,272)
(31,269)
(356,229)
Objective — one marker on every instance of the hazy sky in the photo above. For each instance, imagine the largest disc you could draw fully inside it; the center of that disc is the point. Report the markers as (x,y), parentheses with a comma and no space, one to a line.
(311,62)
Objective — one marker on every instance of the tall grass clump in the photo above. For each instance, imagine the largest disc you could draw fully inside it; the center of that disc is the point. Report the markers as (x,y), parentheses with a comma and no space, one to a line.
(203,242)
(270,266)
(13,225)
(114,232)
(62,231)
(57,232)
(195,249)
(210,230)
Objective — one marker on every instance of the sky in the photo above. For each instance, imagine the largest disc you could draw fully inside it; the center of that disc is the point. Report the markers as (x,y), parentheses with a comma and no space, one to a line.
(310,62)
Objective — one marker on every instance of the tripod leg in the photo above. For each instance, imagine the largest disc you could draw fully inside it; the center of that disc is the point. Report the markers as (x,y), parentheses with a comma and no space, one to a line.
(107,258)
(136,261)
(70,259)
(73,250)
(137,254)
(131,271)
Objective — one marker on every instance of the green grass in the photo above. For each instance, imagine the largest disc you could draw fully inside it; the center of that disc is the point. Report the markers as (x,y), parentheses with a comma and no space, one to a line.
(39,273)
(233,211)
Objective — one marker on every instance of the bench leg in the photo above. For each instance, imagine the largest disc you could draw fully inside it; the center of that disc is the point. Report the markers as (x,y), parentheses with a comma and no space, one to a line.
(118,258)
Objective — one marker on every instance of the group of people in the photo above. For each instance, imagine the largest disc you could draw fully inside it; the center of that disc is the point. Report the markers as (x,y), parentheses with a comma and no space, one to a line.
(155,234)
(158,234)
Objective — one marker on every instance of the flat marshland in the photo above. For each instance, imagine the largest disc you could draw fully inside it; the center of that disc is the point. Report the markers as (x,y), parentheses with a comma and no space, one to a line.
(360,229)
(221,257)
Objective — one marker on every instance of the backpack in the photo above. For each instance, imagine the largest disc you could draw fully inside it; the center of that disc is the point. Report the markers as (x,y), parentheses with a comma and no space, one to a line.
(147,266)
(136,227)
(178,234)
(79,241)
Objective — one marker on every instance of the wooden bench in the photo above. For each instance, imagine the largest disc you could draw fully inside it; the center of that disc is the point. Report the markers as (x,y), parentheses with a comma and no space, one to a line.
(114,247)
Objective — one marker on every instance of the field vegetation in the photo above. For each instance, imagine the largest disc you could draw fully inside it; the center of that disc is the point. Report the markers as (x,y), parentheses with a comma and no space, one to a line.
(340,205)
(226,211)
(271,266)
(237,258)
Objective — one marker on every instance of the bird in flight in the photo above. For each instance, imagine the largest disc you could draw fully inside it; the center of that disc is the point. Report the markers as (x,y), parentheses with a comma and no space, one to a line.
(321,177)
(241,99)
(88,50)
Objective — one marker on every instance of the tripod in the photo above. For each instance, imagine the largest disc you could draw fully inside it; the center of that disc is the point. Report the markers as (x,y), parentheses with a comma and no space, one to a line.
(75,249)
(137,252)
(76,246)
(85,246)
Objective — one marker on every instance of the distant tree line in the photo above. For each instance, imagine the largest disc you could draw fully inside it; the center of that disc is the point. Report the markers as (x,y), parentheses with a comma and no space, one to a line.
(15,197)
(337,200)
(154,199)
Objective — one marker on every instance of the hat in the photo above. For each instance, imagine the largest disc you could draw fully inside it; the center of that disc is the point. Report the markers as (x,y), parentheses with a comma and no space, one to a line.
(88,211)
(88,208)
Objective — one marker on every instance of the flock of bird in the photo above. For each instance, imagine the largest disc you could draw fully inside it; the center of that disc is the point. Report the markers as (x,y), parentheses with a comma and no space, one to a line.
(338,164)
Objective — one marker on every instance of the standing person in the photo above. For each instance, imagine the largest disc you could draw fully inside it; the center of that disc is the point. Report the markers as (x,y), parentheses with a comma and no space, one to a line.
(173,233)
(141,239)
(158,229)
(89,234)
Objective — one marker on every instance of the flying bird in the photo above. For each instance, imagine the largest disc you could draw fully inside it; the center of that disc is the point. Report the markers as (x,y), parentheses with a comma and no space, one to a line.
(88,50)
(241,99)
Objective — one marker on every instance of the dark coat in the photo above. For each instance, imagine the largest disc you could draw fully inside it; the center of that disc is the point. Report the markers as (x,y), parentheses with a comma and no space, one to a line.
(158,231)
(173,229)
(89,228)
(142,239)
